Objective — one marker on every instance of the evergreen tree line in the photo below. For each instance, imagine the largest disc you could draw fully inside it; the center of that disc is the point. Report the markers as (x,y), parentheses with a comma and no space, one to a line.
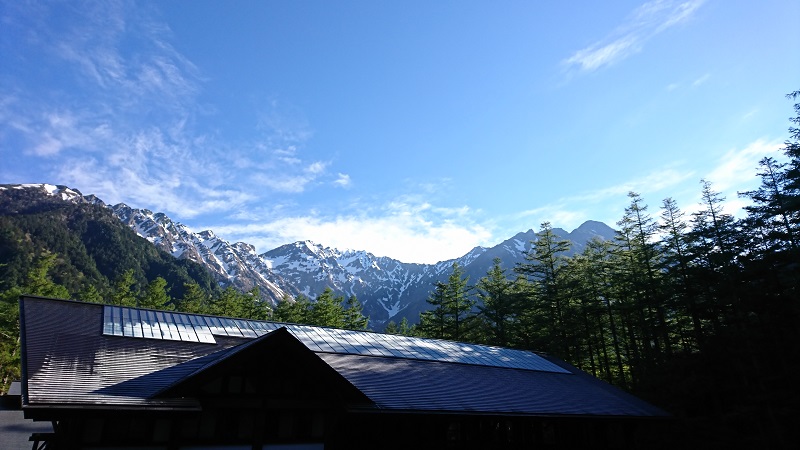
(696,312)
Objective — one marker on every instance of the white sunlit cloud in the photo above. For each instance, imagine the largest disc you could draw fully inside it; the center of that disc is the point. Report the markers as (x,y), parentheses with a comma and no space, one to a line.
(417,233)
(737,172)
(642,24)
(343,180)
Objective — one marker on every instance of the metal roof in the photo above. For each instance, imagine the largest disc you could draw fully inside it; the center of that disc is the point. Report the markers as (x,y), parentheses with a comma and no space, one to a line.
(430,386)
(133,322)
(80,355)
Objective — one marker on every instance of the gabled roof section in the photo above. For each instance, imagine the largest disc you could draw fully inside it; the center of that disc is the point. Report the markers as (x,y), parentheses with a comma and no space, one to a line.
(276,351)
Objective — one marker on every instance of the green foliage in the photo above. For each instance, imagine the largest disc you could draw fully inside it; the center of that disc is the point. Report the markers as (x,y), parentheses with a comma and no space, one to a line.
(327,310)
(90,294)
(38,281)
(499,305)
(233,303)
(403,329)
(155,296)
(123,293)
(354,318)
(547,305)
(195,300)
(452,316)
(293,310)
(94,249)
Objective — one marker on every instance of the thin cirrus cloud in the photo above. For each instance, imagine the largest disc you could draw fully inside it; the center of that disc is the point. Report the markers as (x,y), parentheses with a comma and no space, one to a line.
(738,167)
(645,22)
(606,204)
(128,113)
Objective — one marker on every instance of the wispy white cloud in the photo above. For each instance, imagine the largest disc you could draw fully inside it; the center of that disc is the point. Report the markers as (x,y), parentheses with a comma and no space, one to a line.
(652,182)
(343,180)
(737,168)
(598,55)
(645,22)
(605,204)
(122,123)
(701,80)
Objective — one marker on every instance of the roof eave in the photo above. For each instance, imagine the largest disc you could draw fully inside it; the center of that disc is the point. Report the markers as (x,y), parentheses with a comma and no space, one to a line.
(384,410)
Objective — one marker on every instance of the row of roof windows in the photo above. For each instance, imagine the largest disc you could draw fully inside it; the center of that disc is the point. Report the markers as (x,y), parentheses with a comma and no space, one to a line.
(148,324)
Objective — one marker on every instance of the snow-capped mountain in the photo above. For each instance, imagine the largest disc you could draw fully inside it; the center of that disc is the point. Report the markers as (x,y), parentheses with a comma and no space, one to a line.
(388,289)
(237,264)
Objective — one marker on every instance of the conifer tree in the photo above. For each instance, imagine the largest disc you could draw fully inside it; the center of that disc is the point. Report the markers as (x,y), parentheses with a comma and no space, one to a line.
(327,311)
(544,269)
(405,329)
(293,310)
(770,209)
(254,308)
(229,302)
(90,294)
(194,300)
(155,296)
(433,323)
(676,266)
(39,282)
(636,242)
(123,293)
(498,308)
(354,318)
(452,315)
(391,328)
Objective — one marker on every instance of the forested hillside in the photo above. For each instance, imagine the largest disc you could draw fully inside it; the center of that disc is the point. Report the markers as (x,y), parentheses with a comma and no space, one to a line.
(93,247)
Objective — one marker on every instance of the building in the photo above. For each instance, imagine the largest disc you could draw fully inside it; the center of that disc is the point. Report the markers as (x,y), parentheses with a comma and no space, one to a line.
(116,377)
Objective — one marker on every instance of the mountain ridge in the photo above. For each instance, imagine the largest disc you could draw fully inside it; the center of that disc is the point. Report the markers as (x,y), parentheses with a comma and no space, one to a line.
(388,288)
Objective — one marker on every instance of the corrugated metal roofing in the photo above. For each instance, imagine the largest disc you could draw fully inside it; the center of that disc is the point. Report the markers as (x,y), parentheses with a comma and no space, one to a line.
(133,322)
(399,384)
(79,362)
(67,360)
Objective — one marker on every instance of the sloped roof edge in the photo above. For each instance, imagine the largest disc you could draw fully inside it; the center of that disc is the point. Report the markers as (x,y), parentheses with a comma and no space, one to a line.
(224,355)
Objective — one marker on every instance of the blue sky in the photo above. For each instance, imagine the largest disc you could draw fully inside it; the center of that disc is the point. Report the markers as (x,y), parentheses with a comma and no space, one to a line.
(411,129)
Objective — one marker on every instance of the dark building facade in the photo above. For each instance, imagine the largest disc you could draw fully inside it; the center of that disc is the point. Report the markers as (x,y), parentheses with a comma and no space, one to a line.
(115,377)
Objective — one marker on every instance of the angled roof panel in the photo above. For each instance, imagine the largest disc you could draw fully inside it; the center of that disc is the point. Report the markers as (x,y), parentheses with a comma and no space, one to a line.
(409,385)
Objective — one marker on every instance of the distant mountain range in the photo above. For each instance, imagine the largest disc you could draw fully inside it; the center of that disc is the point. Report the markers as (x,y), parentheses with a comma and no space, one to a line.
(388,289)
